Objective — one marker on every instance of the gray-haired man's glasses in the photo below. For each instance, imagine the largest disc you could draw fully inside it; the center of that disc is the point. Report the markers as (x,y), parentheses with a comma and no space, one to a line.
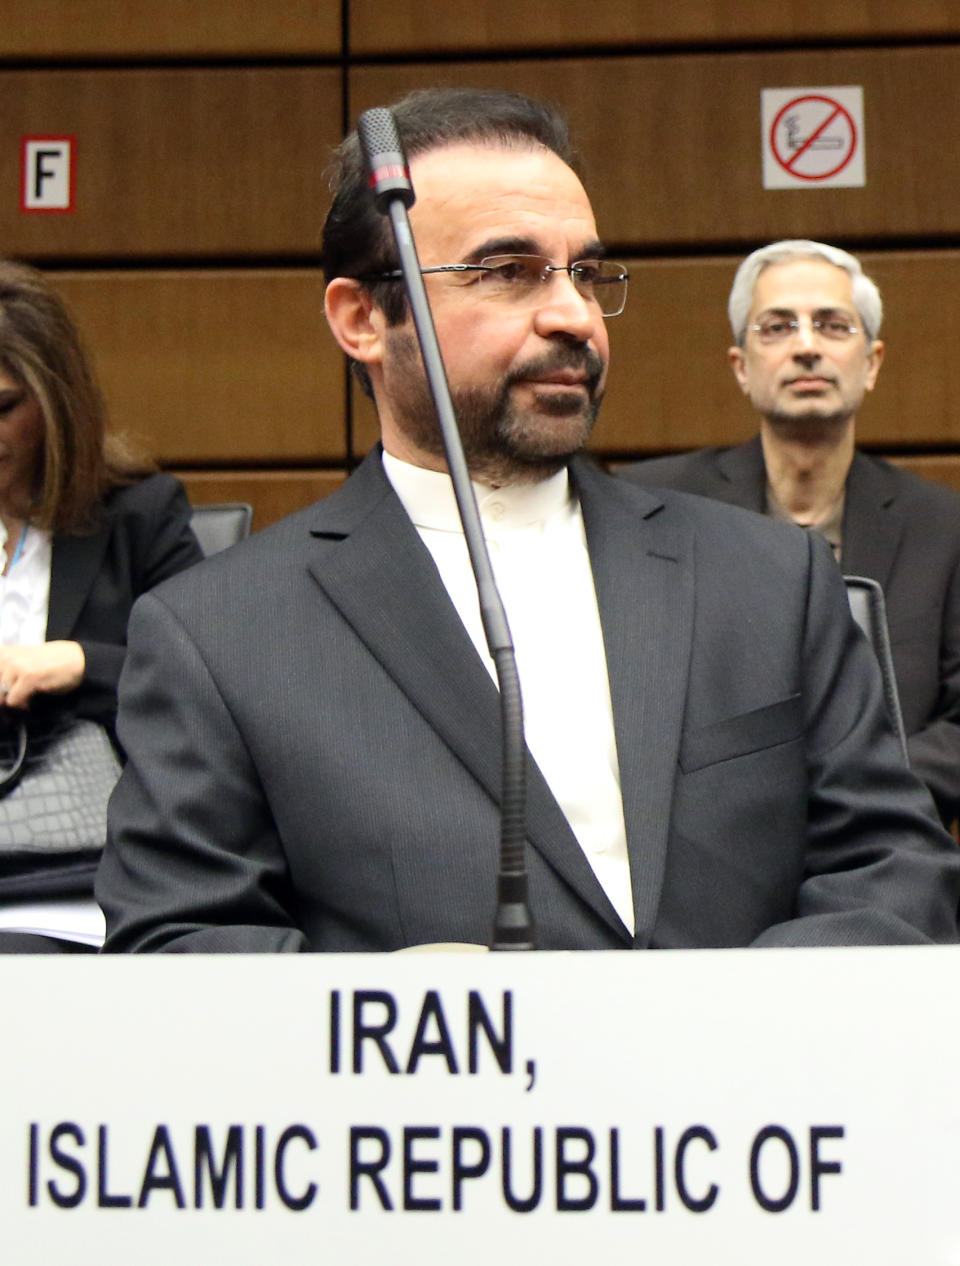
(519,280)
(777,328)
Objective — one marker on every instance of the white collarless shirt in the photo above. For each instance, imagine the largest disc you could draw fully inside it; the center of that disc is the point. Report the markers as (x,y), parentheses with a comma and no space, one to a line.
(538,552)
(25,588)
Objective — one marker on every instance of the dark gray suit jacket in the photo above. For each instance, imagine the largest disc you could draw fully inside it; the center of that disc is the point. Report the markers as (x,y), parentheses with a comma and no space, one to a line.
(901,531)
(314,755)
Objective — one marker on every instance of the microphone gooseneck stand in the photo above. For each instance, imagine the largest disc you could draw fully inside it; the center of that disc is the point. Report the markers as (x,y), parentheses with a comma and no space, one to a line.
(393,193)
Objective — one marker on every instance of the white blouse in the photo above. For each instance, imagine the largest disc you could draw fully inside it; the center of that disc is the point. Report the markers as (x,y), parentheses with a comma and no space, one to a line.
(25,588)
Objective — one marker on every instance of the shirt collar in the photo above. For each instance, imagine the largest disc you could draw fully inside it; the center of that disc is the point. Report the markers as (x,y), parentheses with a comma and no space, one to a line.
(428,498)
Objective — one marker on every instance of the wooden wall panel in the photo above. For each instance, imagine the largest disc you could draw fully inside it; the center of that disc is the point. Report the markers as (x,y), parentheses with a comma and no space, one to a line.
(681,164)
(942,470)
(671,387)
(53,29)
(669,384)
(412,27)
(181,162)
(272,493)
(216,366)
(916,398)
(231,367)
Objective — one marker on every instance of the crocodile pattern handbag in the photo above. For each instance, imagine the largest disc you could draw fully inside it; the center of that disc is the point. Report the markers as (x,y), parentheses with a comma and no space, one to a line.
(54,788)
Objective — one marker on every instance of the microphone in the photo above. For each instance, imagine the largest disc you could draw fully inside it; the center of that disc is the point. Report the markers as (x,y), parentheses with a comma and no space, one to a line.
(386,161)
(393,194)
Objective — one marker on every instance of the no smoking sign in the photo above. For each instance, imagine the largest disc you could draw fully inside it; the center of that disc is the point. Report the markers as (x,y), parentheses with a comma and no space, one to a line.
(812,137)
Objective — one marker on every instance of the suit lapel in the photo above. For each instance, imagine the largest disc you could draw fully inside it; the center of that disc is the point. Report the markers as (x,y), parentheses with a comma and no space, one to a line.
(642,570)
(872,525)
(74,564)
(743,475)
(371,563)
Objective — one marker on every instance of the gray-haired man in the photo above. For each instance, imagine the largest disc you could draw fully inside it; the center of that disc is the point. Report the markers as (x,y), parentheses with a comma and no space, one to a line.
(806,321)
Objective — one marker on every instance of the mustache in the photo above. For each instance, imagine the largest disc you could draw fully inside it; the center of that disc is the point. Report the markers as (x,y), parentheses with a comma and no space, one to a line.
(577,357)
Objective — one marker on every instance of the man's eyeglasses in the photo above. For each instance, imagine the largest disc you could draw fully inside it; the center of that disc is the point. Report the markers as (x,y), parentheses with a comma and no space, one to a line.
(776,328)
(519,279)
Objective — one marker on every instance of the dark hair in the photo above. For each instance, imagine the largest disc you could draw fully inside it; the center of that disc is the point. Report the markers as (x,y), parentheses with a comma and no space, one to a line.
(357,240)
(40,348)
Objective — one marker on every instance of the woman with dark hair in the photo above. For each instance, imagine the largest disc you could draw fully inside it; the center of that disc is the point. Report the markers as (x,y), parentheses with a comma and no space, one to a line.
(85,527)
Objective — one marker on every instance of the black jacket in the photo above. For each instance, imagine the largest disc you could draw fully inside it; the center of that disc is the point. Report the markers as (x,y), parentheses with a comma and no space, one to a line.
(901,531)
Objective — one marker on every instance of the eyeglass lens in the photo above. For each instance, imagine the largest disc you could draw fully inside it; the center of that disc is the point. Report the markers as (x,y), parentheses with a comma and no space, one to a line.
(519,278)
(774,328)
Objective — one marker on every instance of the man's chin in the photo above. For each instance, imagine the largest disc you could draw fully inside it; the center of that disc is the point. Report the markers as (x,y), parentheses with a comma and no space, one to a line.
(550,435)
(531,451)
(808,419)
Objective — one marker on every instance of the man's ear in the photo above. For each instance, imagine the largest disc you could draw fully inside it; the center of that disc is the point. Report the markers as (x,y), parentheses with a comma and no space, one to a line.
(354,319)
(738,364)
(874,361)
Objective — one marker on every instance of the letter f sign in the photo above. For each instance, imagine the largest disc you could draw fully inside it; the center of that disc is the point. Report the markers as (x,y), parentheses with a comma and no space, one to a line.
(47,173)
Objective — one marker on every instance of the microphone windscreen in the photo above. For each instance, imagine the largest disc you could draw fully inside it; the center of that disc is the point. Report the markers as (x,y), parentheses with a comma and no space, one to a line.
(386,161)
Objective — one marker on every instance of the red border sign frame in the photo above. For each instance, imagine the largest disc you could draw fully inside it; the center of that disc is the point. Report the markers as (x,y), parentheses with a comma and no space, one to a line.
(838,109)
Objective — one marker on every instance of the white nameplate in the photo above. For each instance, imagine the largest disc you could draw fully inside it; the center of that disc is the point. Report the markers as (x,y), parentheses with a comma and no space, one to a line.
(788,1106)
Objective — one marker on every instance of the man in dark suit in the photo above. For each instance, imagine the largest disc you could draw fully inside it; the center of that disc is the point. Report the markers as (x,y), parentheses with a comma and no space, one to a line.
(806,318)
(311,723)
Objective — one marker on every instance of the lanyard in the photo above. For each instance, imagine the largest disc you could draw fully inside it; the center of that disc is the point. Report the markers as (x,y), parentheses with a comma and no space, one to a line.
(19,550)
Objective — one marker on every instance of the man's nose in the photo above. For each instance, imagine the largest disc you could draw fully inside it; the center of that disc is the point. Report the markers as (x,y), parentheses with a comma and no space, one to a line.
(562,309)
(806,340)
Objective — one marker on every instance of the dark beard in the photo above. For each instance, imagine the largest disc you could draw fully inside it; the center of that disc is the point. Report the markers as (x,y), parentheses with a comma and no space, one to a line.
(502,442)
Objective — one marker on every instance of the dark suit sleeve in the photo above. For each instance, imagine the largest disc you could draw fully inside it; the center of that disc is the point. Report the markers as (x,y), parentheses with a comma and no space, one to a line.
(207,872)
(879,868)
(935,748)
(150,539)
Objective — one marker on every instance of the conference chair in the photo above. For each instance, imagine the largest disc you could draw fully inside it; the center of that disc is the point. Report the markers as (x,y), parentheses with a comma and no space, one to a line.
(220,525)
(869,611)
